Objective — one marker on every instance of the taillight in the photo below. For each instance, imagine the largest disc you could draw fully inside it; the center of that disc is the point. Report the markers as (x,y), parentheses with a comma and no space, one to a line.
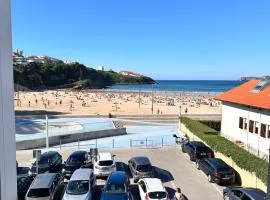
(216,174)
(146,197)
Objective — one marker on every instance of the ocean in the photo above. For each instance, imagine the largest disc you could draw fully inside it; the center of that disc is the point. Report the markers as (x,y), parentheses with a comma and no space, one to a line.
(192,86)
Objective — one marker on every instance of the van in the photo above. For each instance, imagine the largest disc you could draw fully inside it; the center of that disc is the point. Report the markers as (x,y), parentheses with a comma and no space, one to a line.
(43,187)
(81,185)
(104,164)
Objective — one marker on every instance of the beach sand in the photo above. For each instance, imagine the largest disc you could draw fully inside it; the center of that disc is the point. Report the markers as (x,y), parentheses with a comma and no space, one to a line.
(103,102)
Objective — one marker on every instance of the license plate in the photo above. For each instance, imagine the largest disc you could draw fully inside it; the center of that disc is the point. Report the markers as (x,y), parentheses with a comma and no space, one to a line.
(203,154)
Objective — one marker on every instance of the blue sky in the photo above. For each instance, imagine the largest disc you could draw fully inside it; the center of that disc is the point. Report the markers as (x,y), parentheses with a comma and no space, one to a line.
(172,39)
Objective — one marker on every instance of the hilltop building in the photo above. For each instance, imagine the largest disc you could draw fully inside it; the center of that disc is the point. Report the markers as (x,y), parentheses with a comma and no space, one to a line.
(18,58)
(41,59)
(246,115)
(128,73)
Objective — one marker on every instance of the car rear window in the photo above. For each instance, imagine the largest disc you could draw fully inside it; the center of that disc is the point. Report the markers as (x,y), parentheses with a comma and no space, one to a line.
(39,192)
(157,195)
(78,187)
(115,188)
(76,159)
(202,148)
(224,169)
(144,168)
(105,163)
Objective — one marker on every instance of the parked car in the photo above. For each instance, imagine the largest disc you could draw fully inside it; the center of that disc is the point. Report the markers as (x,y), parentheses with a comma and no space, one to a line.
(104,164)
(141,167)
(240,193)
(116,187)
(197,150)
(152,188)
(43,187)
(81,185)
(50,161)
(76,160)
(23,184)
(216,170)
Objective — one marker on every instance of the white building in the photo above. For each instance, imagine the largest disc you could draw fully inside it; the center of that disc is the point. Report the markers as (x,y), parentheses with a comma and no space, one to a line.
(246,115)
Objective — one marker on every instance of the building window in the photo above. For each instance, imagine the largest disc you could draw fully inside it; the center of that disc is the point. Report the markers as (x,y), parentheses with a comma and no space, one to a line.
(251,126)
(268,131)
(245,123)
(241,122)
(256,127)
(263,130)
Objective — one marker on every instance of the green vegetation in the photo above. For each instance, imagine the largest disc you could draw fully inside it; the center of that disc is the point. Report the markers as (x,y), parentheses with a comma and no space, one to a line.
(212,124)
(61,75)
(239,155)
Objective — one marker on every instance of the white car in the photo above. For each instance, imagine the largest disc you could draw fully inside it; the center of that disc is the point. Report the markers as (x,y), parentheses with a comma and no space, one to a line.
(81,185)
(104,164)
(152,189)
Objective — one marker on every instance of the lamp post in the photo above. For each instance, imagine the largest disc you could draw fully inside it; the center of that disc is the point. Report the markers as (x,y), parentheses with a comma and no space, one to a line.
(152,99)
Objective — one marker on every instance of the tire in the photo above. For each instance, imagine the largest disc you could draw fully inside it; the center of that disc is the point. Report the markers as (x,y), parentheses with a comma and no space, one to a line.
(226,197)
(197,166)
(209,177)
(191,158)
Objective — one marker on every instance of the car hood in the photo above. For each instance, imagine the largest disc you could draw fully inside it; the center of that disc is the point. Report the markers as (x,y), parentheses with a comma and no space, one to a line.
(107,196)
(71,167)
(77,197)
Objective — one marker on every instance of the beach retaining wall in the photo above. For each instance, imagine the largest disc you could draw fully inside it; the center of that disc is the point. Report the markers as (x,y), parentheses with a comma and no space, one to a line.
(248,179)
(69,138)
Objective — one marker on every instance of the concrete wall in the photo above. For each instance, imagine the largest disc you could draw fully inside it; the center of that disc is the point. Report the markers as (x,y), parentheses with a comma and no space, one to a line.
(248,179)
(68,138)
(230,126)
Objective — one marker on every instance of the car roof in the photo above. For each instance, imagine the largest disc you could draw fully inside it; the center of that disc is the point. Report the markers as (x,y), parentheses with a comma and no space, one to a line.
(153,184)
(49,154)
(78,153)
(141,160)
(197,144)
(105,156)
(117,177)
(216,162)
(43,180)
(81,174)
(255,193)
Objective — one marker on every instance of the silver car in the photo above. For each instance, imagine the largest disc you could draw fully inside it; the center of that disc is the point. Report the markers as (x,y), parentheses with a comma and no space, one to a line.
(240,193)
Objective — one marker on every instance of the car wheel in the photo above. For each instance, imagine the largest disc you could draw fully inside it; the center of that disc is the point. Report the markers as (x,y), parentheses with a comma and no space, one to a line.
(197,166)
(191,158)
(226,196)
(209,178)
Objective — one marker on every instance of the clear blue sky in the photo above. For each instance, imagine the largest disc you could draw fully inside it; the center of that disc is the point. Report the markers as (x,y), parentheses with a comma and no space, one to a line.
(172,39)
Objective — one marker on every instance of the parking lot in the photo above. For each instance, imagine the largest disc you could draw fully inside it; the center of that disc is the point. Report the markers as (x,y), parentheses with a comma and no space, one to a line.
(173,167)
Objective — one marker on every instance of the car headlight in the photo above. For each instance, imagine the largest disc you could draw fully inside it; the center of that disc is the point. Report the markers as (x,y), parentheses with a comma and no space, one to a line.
(63,170)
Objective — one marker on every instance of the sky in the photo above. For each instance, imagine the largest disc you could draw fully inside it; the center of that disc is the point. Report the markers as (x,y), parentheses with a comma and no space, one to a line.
(168,40)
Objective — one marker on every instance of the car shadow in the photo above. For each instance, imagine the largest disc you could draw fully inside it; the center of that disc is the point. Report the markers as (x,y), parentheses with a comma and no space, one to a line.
(163,175)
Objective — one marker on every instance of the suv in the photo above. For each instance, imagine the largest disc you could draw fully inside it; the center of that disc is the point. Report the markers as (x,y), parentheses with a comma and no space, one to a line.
(141,167)
(238,193)
(197,150)
(43,186)
(117,187)
(81,185)
(50,161)
(104,164)
(216,170)
(76,160)
(152,188)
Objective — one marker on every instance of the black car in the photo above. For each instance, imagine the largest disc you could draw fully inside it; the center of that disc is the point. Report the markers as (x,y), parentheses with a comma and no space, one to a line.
(50,161)
(23,184)
(197,150)
(238,193)
(141,167)
(76,160)
(216,170)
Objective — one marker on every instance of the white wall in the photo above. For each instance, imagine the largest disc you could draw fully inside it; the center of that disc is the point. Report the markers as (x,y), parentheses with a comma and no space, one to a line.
(8,188)
(230,125)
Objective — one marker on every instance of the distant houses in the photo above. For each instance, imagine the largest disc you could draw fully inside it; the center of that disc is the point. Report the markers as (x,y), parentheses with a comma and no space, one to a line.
(246,115)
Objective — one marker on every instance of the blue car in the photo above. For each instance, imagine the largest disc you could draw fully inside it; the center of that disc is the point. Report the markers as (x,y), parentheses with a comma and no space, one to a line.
(116,187)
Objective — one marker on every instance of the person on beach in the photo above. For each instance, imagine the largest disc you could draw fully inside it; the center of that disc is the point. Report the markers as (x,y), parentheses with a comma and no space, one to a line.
(178,195)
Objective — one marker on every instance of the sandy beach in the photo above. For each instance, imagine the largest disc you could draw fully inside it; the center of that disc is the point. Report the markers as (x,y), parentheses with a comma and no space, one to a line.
(102,102)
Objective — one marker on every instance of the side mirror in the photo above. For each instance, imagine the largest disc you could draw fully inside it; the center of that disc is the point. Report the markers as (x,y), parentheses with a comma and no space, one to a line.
(175,136)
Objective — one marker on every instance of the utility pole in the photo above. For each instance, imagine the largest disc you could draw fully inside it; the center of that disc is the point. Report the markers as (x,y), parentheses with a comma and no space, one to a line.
(268,178)
(47,132)
(140,97)
(152,99)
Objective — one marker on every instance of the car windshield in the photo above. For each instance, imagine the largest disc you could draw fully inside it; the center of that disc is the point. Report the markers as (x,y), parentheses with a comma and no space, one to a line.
(43,161)
(78,187)
(223,169)
(144,168)
(105,163)
(76,159)
(40,192)
(202,148)
(116,188)
(157,195)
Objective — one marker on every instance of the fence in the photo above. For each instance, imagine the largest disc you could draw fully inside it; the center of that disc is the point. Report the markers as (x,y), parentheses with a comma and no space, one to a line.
(115,143)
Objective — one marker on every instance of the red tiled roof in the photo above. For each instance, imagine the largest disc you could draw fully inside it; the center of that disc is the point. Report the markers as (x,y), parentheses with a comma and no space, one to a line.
(245,95)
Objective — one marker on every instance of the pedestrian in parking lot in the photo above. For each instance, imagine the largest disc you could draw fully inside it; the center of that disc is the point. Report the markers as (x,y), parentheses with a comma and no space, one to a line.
(178,195)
